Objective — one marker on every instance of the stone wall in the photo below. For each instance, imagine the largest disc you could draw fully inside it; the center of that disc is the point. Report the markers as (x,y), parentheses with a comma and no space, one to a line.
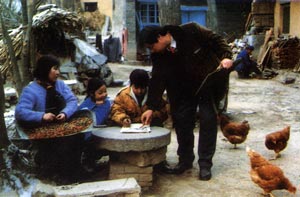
(294,20)
(131,26)
(228,17)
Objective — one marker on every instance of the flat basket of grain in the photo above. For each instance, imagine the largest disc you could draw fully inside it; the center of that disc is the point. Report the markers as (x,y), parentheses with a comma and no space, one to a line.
(81,122)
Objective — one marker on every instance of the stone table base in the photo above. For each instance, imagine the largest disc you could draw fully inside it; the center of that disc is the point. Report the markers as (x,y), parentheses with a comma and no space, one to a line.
(143,175)
(136,164)
(134,154)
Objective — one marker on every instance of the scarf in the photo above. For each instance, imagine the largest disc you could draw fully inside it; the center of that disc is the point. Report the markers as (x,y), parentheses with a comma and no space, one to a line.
(55,102)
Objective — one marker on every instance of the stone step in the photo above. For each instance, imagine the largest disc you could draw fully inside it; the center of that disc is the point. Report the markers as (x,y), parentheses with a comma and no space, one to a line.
(127,187)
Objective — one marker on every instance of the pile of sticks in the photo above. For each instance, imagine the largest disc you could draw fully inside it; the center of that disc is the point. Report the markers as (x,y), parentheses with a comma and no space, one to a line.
(286,53)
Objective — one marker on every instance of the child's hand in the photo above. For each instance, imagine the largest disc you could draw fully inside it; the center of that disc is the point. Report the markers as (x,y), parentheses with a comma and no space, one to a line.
(126,122)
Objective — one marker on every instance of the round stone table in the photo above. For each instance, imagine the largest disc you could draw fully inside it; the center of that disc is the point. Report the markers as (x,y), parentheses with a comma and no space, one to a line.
(110,138)
(133,154)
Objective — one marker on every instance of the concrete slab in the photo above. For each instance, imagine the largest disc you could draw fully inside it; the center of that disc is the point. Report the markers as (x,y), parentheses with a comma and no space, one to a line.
(100,188)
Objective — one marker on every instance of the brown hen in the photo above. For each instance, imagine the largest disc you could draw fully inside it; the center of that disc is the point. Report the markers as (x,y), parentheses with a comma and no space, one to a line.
(266,175)
(277,141)
(235,133)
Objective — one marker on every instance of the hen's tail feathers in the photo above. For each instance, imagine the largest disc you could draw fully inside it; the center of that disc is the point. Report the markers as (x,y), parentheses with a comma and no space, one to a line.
(287,131)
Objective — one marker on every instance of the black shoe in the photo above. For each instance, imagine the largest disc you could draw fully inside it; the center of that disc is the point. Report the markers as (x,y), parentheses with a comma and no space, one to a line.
(180,168)
(163,167)
(205,174)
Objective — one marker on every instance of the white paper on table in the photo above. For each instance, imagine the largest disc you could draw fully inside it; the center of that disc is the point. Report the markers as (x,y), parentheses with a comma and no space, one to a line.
(136,128)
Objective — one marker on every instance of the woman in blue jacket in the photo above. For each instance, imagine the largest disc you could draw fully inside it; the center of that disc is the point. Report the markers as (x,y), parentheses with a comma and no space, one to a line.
(46,100)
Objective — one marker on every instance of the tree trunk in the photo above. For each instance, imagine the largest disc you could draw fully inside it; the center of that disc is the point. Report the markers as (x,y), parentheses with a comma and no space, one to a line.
(9,4)
(24,12)
(169,12)
(78,6)
(58,3)
(25,66)
(68,4)
(3,132)
(12,55)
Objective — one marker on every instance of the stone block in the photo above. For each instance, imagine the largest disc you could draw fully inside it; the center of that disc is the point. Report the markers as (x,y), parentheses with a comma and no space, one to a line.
(117,167)
(120,187)
(142,159)
(145,183)
(145,177)
(142,175)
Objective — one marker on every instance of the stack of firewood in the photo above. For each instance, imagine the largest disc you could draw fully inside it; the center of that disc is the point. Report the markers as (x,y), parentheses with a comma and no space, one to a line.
(286,53)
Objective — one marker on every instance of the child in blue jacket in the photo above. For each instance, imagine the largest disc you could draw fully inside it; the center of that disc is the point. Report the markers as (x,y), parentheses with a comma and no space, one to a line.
(97,100)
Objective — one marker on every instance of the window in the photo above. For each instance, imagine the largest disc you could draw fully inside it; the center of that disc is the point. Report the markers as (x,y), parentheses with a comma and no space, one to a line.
(90,7)
(148,13)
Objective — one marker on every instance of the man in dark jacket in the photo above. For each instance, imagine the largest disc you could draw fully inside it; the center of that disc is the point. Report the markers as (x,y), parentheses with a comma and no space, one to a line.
(192,64)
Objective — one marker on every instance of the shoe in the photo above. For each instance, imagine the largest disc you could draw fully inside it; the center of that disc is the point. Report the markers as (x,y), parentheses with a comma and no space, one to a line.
(180,168)
(205,174)
(163,167)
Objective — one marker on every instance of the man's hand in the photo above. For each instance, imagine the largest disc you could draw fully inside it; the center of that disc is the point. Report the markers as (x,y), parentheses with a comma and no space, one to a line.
(147,117)
(226,63)
(48,117)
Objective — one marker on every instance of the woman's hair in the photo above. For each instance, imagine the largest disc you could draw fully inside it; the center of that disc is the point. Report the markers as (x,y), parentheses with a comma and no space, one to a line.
(139,78)
(93,85)
(44,65)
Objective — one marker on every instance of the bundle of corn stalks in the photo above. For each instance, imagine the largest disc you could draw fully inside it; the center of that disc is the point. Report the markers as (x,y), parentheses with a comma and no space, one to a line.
(93,20)
(51,30)
(17,39)
(68,21)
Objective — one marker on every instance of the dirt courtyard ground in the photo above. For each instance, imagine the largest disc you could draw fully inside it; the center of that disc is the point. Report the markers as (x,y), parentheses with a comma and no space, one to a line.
(268,105)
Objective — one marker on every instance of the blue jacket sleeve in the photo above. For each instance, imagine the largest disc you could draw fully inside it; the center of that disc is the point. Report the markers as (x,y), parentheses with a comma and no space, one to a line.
(31,105)
(101,111)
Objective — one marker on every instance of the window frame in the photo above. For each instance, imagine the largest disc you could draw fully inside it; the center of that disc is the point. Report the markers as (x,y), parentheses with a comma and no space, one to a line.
(148,13)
